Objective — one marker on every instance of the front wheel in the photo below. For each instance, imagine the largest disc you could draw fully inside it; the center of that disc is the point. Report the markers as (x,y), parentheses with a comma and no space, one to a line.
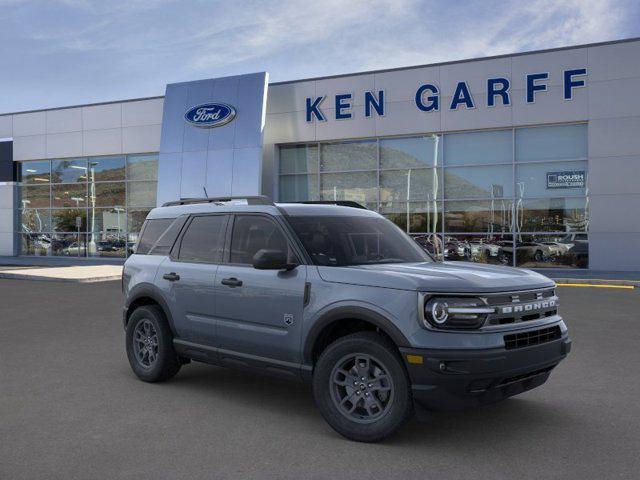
(361,387)
(150,345)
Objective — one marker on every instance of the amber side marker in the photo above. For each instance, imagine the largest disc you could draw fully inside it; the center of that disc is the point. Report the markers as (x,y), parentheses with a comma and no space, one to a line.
(415,359)
(595,285)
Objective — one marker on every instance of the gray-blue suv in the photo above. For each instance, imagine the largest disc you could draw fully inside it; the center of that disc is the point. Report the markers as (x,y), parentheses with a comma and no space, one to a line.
(336,295)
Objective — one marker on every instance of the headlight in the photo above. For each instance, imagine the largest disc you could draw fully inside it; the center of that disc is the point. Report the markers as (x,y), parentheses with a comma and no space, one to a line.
(453,312)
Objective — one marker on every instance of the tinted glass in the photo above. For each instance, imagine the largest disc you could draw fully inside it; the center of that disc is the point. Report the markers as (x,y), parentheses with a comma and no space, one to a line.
(105,169)
(478,147)
(362,155)
(151,232)
(298,159)
(359,186)
(35,196)
(35,220)
(69,195)
(295,188)
(553,215)
(478,182)
(415,217)
(562,250)
(559,142)
(110,194)
(141,194)
(65,220)
(554,179)
(167,239)
(412,152)
(341,241)
(494,249)
(253,233)
(204,239)
(69,171)
(35,172)
(478,216)
(413,185)
(142,167)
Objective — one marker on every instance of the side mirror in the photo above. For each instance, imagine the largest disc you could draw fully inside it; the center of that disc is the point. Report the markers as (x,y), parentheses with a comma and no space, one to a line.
(266,259)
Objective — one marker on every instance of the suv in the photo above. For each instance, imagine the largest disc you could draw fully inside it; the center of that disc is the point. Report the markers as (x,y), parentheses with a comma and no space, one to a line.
(338,296)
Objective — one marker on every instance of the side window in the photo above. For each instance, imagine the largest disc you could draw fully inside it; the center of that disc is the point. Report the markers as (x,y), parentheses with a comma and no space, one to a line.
(252,233)
(168,238)
(151,232)
(204,239)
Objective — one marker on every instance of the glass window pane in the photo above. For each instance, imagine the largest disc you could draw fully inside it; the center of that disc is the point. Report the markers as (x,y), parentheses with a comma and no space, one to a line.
(69,195)
(478,182)
(553,215)
(34,196)
(554,179)
(431,242)
(299,159)
(34,172)
(69,245)
(415,217)
(107,194)
(135,219)
(141,194)
(414,185)
(412,152)
(107,236)
(36,244)
(103,169)
(538,251)
(361,155)
(64,220)
(204,239)
(252,233)
(69,171)
(142,167)
(152,231)
(551,143)
(359,186)
(35,220)
(478,216)
(473,148)
(295,188)
(494,249)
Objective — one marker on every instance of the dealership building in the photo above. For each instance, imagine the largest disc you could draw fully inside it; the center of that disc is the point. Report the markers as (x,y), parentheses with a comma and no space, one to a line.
(528,159)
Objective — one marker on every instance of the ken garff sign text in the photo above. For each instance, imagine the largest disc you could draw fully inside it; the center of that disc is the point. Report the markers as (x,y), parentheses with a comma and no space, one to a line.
(210,115)
(427,96)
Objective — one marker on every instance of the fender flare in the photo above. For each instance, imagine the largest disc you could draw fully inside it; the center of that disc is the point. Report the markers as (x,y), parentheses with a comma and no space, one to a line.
(147,290)
(351,312)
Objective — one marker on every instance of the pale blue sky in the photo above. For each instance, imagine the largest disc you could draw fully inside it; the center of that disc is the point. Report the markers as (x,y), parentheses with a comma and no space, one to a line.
(68,52)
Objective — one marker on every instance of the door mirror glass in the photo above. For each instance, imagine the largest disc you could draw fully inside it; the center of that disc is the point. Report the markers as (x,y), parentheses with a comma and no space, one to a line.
(266,259)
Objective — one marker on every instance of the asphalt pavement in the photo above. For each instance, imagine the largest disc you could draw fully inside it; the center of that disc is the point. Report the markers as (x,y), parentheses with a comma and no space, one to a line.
(70,408)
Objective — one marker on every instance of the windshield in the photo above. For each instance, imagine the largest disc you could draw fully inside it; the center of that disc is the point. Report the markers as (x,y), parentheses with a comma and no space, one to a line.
(358,240)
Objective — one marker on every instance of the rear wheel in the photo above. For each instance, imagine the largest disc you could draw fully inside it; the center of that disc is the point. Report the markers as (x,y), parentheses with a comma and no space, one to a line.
(361,387)
(150,345)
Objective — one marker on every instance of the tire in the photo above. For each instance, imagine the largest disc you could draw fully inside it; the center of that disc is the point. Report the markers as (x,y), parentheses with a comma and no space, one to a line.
(538,257)
(368,422)
(159,362)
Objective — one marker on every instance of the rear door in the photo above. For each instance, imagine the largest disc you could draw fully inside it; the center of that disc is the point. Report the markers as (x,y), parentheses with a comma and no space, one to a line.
(187,278)
(259,312)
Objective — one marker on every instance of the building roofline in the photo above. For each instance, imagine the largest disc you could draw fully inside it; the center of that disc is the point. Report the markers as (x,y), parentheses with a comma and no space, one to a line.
(368,72)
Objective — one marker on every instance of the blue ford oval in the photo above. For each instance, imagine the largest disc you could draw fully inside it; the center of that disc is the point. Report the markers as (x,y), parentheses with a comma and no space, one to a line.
(210,115)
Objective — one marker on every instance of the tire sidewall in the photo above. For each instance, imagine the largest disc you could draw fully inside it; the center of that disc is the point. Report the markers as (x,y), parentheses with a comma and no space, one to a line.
(402,404)
(166,359)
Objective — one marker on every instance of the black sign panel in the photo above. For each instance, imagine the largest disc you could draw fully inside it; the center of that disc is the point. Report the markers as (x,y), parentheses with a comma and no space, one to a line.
(567,179)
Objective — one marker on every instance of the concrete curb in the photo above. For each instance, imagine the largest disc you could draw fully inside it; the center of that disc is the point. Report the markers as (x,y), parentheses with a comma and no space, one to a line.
(17,276)
(598,281)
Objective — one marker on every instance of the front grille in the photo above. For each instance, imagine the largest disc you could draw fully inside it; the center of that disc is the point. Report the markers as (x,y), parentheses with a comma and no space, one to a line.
(534,337)
(522,306)
(524,376)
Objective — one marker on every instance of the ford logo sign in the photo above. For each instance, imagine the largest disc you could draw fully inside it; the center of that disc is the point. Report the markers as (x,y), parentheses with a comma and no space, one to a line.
(210,115)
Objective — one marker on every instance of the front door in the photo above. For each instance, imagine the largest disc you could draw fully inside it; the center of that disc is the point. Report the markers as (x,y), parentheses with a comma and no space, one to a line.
(188,278)
(259,312)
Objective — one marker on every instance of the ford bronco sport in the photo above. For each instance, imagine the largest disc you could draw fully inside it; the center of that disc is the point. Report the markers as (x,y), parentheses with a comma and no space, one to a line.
(336,295)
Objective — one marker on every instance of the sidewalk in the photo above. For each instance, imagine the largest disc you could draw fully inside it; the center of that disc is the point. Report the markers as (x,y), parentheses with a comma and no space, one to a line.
(591,277)
(77,274)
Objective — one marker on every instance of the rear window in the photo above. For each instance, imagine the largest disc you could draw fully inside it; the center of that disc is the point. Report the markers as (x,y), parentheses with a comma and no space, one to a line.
(168,238)
(151,232)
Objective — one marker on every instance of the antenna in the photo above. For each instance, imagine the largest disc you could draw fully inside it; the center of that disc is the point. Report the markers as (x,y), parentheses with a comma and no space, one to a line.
(205,191)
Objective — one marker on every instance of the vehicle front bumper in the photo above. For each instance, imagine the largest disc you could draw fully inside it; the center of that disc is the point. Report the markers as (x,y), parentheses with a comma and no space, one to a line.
(455,379)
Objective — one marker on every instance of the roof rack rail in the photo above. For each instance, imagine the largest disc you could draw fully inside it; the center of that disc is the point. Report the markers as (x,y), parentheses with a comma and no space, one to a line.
(251,200)
(341,203)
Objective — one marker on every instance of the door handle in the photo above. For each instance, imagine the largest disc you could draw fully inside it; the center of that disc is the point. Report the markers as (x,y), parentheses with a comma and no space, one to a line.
(172,277)
(231,282)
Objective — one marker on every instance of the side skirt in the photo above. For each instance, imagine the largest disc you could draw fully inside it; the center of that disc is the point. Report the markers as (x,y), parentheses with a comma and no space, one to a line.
(242,361)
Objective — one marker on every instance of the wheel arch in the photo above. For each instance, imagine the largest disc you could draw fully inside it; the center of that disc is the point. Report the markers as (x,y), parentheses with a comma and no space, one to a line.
(331,320)
(146,294)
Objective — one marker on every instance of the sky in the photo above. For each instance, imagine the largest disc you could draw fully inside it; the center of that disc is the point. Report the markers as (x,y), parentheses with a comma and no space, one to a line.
(67,52)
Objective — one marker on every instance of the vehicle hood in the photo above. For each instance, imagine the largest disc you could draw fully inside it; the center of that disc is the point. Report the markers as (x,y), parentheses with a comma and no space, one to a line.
(463,277)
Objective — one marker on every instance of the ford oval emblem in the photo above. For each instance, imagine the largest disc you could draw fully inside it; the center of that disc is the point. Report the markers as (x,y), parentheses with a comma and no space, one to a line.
(210,115)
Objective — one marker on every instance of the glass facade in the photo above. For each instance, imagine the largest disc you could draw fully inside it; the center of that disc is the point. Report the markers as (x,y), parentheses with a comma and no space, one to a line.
(83,207)
(512,196)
